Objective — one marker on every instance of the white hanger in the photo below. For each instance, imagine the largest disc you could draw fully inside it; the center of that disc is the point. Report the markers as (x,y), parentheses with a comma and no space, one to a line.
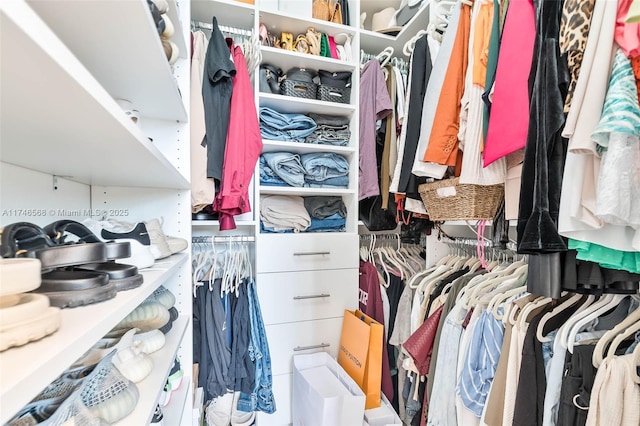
(628,327)
(411,43)
(385,56)
(592,314)
(528,309)
(546,317)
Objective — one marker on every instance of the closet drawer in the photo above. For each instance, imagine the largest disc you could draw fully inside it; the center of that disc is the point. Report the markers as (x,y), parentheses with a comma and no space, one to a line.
(282,386)
(286,340)
(297,252)
(308,295)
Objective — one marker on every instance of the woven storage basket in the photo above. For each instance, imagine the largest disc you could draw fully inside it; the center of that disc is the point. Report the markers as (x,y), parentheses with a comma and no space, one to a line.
(299,89)
(334,94)
(449,200)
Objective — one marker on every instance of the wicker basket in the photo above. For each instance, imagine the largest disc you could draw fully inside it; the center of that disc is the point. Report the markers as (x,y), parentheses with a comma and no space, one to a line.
(299,89)
(449,200)
(334,94)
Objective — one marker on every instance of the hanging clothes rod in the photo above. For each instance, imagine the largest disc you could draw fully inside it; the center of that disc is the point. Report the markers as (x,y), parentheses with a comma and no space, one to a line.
(224,239)
(223,28)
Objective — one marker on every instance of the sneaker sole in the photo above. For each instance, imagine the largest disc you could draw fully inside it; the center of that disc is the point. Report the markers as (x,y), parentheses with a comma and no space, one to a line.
(20,334)
(128,283)
(75,298)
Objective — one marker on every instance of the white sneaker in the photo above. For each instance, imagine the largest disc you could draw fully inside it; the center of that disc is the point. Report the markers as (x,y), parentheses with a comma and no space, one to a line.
(137,235)
(159,245)
(132,363)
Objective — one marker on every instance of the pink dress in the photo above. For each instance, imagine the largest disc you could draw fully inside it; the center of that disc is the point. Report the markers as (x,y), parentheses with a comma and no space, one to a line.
(509,119)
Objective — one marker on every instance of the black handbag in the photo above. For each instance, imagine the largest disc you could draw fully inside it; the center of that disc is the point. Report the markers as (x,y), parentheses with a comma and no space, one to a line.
(335,79)
(374,217)
(270,79)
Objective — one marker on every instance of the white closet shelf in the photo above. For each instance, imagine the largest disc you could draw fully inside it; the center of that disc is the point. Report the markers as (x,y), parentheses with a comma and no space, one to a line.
(178,37)
(305,148)
(129,62)
(304,192)
(374,42)
(229,12)
(290,104)
(72,128)
(239,223)
(150,388)
(286,59)
(172,413)
(277,22)
(27,370)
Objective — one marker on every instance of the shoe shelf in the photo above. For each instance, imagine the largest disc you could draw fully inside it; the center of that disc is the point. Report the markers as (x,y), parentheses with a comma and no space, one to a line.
(287,59)
(28,369)
(303,191)
(150,388)
(178,38)
(290,104)
(305,148)
(374,42)
(172,413)
(72,128)
(228,12)
(127,60)
(277,22)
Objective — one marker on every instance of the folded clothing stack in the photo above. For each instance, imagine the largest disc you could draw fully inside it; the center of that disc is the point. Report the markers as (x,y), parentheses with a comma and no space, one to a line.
(315,170)
(286,214)
(330,130)
(314,128)
(284,127)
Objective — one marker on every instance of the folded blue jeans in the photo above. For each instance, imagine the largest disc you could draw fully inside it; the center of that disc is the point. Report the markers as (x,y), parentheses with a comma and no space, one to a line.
(279,126)
(268,177)
(334,222)
(324,165)
(287,166)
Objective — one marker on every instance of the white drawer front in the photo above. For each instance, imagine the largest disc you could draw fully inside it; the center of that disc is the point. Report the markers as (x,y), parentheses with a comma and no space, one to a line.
(306,252)
(307,295)
(286,340)
(282,386)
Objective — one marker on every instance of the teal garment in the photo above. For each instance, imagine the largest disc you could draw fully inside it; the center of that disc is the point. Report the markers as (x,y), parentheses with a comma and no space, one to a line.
(607,257)
(621,112)
(492,65)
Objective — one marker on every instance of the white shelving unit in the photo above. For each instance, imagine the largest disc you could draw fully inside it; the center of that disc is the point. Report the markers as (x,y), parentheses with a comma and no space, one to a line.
(289,104)
(374,42)
(287,59)
(136,69)
(65,143)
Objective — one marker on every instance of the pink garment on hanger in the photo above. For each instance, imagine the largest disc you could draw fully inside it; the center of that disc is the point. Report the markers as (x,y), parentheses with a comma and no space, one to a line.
(509,118)
(243,147)
(332,48)
(627,35)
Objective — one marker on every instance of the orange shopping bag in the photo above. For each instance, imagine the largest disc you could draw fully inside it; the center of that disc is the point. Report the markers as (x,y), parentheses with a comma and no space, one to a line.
(360,353)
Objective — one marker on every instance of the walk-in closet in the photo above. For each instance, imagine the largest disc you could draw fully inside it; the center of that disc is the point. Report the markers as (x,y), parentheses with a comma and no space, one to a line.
(320,212)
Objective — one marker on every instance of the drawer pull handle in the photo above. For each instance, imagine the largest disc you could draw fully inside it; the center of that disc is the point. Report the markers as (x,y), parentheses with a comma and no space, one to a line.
(312,253)
(311,296)
(306,348)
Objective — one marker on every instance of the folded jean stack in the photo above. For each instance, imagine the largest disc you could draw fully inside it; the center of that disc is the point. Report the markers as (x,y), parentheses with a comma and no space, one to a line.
(288,213)
(315,170)
(330,130)
(313,128)
(100,387)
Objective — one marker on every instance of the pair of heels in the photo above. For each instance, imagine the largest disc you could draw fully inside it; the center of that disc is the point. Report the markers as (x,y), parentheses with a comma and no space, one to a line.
(286,41)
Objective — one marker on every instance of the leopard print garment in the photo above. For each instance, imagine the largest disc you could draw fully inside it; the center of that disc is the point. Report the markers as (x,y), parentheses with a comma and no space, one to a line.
(574,30)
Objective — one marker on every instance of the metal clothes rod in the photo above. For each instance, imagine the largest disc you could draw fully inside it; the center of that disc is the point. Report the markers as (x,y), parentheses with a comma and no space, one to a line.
(224,239)
(223,28)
